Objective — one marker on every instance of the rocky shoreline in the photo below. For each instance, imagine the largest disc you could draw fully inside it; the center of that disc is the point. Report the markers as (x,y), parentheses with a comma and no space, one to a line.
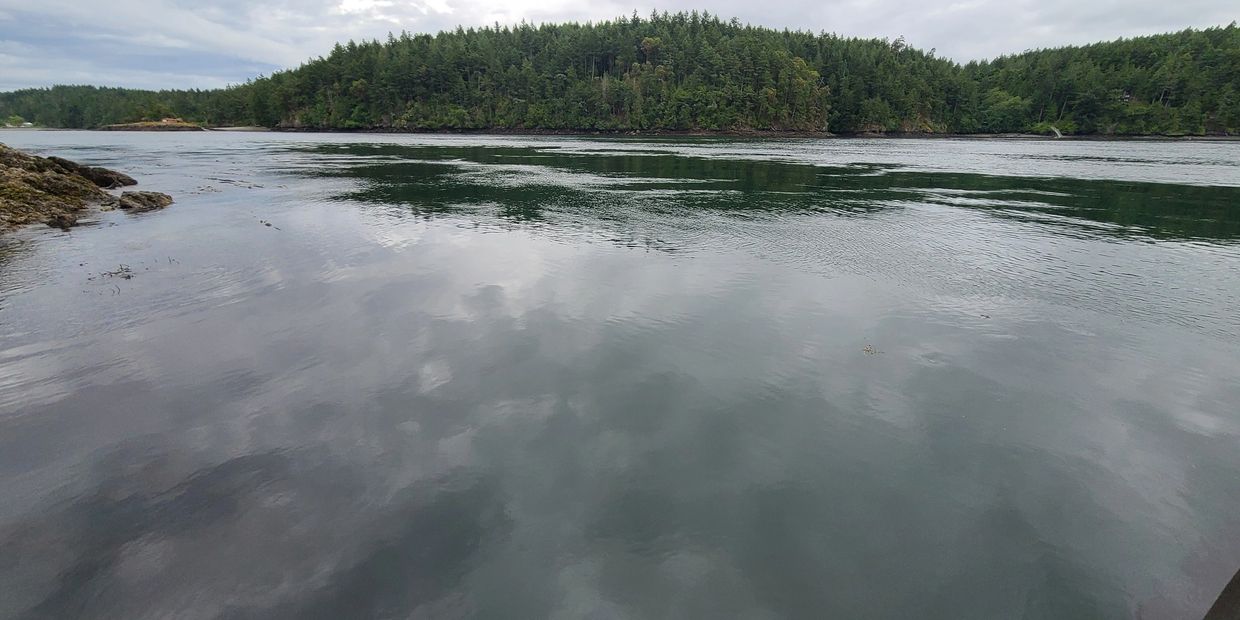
(56,191)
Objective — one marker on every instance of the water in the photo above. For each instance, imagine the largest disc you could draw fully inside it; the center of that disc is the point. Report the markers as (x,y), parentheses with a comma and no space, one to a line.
(526,378)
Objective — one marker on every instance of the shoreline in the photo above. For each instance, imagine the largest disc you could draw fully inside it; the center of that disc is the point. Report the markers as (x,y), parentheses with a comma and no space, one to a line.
(680,133)
(760,134)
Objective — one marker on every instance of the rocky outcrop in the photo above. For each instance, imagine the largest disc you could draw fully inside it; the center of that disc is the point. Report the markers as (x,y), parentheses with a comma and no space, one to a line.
(35,189)
(55,191)
(137,202)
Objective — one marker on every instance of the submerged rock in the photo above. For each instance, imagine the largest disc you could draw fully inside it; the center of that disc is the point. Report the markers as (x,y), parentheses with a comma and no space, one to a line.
(53,190)
(137,202)
(62,220)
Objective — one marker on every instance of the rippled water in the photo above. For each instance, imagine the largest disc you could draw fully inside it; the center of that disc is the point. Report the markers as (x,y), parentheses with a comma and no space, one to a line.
(518,377)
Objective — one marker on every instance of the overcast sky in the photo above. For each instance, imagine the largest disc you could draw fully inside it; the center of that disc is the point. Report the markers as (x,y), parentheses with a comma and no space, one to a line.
(210,43)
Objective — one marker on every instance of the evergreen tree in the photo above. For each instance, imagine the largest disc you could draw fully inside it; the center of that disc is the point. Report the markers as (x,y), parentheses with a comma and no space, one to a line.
(693,71)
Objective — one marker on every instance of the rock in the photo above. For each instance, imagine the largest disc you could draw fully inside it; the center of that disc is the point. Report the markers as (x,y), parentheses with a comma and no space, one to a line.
(53,190)
(62,220)
(35,189)
(107,179)
(137,202)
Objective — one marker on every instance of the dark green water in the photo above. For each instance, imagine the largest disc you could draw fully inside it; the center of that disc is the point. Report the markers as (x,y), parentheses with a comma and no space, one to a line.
(529,378)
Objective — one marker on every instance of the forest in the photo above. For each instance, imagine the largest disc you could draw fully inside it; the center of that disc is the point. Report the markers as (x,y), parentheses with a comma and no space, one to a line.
(696,72)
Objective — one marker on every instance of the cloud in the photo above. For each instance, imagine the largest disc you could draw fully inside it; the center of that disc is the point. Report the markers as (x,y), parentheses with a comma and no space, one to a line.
(202,43)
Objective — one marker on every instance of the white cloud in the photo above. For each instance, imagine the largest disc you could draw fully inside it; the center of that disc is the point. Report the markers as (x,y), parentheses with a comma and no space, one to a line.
(143,40)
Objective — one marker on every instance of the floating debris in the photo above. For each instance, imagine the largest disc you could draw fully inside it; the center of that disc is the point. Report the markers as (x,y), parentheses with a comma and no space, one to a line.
(122,271)
(235,182)
(870,350)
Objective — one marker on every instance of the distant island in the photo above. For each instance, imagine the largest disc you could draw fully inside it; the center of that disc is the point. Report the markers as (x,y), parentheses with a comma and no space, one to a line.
(163,124)
(693,72)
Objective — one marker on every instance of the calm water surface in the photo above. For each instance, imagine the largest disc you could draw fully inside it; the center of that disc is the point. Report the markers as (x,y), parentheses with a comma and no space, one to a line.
(565,378)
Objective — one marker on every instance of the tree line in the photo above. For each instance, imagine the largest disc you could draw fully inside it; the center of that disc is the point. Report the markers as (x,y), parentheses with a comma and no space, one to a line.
(694,71)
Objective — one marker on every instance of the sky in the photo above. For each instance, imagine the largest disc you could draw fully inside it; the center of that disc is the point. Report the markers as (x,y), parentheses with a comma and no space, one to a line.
(212,43)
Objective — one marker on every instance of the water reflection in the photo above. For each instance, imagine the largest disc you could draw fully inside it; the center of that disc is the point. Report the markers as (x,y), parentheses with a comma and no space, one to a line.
(110,550)
(455,383)
(529,184)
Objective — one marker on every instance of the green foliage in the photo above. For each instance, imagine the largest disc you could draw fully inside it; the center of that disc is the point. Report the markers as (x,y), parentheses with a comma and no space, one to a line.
(691,71)
(1172,84)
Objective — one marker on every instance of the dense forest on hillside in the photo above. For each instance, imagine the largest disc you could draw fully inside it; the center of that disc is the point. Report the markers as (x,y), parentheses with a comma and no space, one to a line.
(693,71)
